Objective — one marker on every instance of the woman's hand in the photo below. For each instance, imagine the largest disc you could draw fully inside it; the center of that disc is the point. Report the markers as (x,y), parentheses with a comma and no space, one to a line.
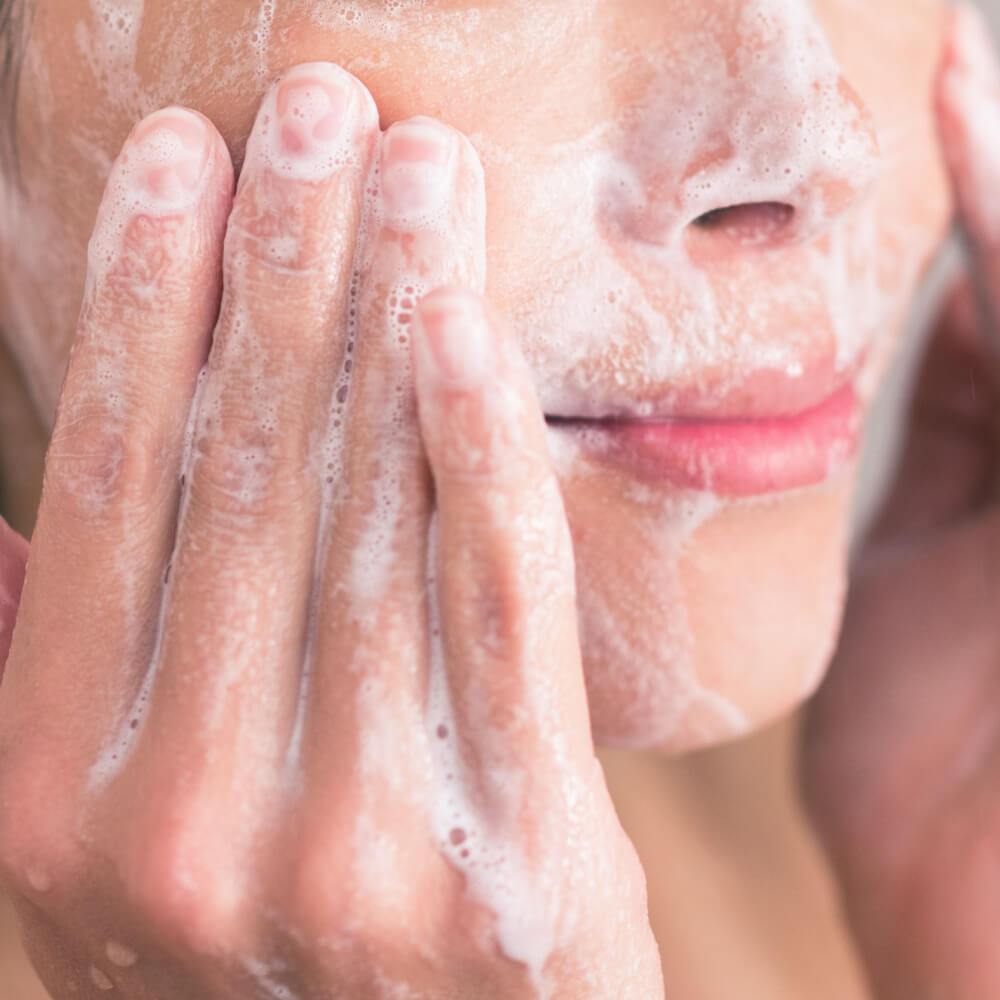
(294,706)
(902,752)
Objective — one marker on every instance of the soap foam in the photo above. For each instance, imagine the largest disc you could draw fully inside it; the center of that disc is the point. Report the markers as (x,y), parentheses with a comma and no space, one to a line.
(101,979)
(655,680)
(487,853)
(118,954)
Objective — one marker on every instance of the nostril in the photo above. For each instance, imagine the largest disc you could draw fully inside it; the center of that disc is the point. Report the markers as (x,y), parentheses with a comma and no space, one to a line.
(752,223)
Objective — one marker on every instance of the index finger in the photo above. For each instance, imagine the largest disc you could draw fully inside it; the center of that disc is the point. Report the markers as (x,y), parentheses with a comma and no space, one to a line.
(107,516)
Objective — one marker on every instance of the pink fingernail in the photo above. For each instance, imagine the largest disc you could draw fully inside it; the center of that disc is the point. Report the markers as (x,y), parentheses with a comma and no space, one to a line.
(170,150)
(975,52)
(313,107)
(457,336)
(417,157)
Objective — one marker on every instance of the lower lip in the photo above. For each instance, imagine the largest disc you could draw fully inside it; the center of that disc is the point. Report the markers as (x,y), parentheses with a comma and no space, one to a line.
(731,457)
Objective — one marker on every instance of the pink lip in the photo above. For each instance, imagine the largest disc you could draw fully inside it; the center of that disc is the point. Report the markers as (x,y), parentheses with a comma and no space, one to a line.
(731,456)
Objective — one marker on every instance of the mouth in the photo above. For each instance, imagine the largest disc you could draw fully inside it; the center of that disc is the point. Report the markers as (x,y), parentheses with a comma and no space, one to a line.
(729,456)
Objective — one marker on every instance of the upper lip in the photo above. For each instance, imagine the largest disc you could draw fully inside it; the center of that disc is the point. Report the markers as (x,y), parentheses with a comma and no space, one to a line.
(719,395)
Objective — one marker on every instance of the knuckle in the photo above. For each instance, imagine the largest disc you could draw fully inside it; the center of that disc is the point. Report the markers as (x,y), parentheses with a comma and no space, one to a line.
(248,469)
(183,882)
(99,462)
(367,894)
(150,277)
(321,889)
(302,244)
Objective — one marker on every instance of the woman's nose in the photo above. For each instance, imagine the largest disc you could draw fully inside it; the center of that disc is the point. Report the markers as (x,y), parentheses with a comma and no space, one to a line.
(772,147)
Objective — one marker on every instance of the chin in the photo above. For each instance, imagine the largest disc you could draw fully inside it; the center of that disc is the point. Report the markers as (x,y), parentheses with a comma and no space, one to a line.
(703,618)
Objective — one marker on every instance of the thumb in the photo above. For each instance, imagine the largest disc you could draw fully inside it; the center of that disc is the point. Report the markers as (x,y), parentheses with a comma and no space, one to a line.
(948,471)
(13,559)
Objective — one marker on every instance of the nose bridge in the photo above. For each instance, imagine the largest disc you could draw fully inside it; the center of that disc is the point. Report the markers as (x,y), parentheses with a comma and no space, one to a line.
(774,120)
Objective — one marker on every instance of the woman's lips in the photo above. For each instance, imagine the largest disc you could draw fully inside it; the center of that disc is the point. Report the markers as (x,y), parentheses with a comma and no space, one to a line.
(731,456)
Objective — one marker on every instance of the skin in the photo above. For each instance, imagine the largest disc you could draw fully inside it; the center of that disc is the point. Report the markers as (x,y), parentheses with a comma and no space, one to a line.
(222,714)
(677,654)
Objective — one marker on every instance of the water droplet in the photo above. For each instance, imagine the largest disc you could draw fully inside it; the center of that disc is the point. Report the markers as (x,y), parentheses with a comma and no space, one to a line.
(119,955)
(38,880)
(100,979)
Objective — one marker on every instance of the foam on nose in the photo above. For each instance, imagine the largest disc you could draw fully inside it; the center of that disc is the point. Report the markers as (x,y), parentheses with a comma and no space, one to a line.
(774,121)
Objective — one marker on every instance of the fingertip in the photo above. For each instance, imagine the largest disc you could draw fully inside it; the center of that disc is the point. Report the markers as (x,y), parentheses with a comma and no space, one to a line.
(173,173)
(969,45)
(967,111)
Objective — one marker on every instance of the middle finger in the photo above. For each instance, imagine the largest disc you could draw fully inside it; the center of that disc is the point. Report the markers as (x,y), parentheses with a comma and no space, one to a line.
(427,228)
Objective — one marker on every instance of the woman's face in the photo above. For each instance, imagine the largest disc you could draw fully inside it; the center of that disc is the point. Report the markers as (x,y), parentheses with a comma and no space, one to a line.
(710,538)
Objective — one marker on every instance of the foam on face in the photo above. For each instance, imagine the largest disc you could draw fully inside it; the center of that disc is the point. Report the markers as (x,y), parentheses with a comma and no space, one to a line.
(645,631)
(778,128)
(624,308)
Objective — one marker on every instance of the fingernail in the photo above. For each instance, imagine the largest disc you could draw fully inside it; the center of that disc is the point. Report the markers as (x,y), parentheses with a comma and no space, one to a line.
(975,52)
(457,337)
(170,150)
(417,158)
(313,105)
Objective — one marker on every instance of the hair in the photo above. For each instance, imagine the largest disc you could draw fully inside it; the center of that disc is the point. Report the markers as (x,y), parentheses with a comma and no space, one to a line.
(14,18)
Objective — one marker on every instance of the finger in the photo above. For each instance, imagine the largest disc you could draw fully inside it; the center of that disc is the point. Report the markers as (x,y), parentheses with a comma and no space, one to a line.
(948,469)
(13,557)
(427,227)
(107,516)
(226,690)
(510,682)
(967,102)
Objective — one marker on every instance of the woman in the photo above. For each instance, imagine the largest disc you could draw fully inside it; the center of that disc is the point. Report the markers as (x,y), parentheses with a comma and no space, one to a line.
(301,694)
